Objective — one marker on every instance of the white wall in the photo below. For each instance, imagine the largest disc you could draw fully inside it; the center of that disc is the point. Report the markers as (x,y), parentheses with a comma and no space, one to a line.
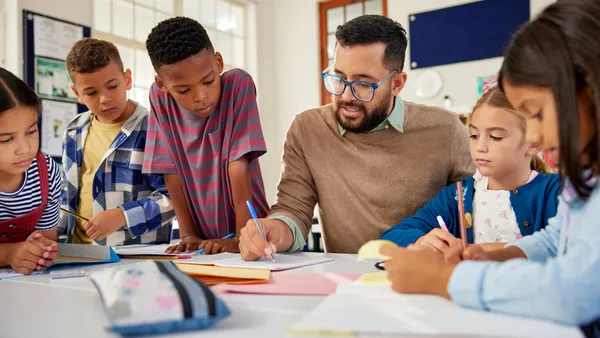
(289,62)
(288,73)
(460,80)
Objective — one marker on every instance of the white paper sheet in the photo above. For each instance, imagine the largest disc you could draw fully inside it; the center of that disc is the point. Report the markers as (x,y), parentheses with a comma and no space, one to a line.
(6,273)
(282,262)
(55,117)
(53,38)
(357,308)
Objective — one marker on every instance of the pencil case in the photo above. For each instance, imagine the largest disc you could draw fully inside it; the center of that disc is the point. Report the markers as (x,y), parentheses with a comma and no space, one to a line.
(154,297)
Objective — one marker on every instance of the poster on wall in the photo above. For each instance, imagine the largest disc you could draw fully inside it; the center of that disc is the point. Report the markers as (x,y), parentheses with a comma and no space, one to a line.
(53,38)
(52,80)
(55,117)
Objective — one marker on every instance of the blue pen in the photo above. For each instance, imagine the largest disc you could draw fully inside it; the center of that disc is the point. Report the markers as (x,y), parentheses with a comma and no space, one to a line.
(201,251)
(255,219)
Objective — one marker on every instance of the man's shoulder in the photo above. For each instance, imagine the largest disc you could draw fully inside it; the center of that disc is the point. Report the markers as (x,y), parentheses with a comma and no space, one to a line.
(314,117)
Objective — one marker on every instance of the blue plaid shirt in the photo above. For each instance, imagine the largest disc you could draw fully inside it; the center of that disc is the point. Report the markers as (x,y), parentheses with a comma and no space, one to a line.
(118,183)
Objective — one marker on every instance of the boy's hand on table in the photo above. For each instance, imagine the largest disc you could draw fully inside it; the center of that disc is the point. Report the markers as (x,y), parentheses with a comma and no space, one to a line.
(215,246)
(188,244)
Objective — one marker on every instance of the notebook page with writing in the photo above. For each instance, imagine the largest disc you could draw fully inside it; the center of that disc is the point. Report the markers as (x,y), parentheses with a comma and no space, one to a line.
(282,262)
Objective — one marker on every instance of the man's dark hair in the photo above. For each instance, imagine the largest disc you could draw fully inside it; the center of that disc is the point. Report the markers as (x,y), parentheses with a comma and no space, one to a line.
(176,39)
(369,29)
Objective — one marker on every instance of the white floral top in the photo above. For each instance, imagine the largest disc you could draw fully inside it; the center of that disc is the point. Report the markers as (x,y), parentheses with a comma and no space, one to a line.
(494,219)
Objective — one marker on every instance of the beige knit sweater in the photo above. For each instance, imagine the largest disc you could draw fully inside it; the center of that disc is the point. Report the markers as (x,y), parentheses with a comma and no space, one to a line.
(365,183)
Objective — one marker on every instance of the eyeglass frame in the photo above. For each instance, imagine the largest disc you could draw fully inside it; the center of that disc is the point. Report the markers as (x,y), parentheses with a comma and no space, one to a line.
(347,83)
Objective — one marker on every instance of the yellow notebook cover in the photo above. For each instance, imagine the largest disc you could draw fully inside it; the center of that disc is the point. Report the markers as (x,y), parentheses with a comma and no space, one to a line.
(212,275)
(375,277)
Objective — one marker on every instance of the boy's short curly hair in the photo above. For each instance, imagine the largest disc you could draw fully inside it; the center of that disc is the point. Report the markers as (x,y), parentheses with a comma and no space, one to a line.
(176,39)
(89,55)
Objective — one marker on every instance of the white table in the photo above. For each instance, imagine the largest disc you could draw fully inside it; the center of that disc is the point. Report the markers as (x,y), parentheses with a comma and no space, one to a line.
(37,306)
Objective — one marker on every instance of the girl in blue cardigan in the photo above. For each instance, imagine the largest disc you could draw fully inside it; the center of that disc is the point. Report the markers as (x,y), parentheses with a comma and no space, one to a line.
(512,194)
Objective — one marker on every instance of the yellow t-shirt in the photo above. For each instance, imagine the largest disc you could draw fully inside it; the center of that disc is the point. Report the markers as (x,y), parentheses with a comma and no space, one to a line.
(100,137)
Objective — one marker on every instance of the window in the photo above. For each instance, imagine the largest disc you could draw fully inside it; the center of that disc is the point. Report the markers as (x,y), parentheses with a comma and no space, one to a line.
(337,12)
(127,24)
(225,23)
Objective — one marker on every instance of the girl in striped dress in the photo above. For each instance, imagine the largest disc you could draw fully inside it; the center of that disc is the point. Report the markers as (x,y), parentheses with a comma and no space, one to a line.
(29,182)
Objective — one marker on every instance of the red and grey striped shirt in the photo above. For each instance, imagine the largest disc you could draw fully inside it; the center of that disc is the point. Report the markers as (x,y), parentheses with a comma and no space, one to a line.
(199,150)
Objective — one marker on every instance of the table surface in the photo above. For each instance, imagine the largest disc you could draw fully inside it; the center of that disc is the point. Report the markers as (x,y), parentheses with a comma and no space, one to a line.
(37,306)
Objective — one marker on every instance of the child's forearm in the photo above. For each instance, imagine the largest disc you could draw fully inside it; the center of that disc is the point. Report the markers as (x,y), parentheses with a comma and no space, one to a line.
(241,191)
(51,234)
(506,254)
(184,218)
(5,254)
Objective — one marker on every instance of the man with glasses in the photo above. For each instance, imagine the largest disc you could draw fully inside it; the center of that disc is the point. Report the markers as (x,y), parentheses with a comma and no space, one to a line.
(369,159)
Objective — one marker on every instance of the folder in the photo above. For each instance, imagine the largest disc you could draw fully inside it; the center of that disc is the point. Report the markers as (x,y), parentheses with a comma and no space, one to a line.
(212,275)
(84,254)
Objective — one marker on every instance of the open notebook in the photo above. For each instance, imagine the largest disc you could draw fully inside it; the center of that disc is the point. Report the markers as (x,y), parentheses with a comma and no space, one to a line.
(375,309)
(282,261)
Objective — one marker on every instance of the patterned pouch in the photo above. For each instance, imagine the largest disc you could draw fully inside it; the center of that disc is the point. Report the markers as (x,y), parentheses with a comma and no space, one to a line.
(154,297)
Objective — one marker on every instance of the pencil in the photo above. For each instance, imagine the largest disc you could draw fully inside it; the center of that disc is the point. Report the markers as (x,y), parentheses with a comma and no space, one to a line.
(461,213)
(74,214)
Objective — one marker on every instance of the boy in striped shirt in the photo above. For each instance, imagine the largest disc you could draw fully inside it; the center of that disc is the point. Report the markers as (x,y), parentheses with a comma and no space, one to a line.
(204,135)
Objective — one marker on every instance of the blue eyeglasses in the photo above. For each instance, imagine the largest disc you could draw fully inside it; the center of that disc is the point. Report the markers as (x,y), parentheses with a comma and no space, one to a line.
(362,90)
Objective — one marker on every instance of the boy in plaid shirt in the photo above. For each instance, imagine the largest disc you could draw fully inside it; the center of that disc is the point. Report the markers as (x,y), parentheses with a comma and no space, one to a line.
(103,154)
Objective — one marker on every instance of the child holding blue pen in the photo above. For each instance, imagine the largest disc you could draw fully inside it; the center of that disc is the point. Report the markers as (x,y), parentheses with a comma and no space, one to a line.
(511,195)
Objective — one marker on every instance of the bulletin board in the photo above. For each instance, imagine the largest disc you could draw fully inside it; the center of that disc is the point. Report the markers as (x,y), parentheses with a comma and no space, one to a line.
(469,32)
(46,43)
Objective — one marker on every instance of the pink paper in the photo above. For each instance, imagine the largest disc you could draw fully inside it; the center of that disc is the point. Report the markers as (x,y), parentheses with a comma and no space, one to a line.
(287,283)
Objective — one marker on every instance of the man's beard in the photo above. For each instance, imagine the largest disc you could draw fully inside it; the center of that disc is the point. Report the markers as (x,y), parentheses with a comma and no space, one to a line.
(369,120)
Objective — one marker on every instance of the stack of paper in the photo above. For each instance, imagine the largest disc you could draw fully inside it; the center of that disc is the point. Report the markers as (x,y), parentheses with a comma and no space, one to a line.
(358,308)
(211,275)
(148,252)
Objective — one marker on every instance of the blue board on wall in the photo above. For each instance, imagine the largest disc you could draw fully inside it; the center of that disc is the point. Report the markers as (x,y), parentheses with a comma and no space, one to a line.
(474,31)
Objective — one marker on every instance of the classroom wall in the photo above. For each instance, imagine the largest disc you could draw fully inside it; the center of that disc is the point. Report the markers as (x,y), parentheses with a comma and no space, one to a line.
(289,59)
(288,75)
(460,80)
(79,11)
